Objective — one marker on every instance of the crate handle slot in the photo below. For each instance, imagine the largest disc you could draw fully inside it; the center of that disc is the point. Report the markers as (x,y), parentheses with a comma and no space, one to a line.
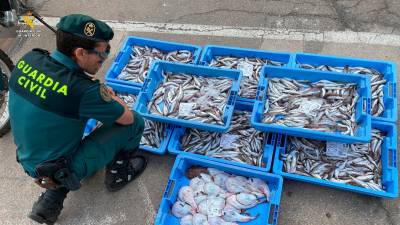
(391,90)
(259,93)
(169,189)
(282,141)
(145,85)
(271,217)
(365,106)
(392,160)
(232,98)
(269,138)
(118,57)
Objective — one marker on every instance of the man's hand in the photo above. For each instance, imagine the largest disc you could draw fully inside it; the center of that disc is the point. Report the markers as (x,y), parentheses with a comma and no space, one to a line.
(127,117)
(110,91)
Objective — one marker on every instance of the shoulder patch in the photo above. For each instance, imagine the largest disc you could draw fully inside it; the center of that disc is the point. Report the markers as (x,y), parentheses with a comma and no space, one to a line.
(105,95)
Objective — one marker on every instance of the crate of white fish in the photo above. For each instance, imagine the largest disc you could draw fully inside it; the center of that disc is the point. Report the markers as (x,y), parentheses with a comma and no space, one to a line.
(201,191)
(242,145)
(313,104)
(133,62)
(156,135)
(366,168)
(249,61)
(189,96)
(383,75)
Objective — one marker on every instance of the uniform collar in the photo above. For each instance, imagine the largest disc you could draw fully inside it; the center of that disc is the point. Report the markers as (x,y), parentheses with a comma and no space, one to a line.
(65,60)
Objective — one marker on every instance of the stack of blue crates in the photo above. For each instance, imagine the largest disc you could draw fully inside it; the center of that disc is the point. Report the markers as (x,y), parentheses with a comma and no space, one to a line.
(174,146)
(210,53)
(125,53)
(362,108)
(267,212)
(277,137)
(134,88)
(385,123)
(156,77)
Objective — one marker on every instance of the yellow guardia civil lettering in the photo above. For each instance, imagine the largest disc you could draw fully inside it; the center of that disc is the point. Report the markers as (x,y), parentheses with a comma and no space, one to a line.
(37,82)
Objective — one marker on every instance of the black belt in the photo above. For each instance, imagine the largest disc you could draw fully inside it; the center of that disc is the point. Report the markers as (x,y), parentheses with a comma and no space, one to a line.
(56,174)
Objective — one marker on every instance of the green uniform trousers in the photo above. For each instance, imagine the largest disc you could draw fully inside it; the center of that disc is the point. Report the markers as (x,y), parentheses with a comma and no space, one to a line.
(100,147)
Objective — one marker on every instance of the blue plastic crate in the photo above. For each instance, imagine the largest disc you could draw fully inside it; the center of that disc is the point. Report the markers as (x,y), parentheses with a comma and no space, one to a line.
(174,146)
(125,53)
(362,111)
(388,69)
(123,89)
(388,160)
(268,212)
(211,51)
(155,77)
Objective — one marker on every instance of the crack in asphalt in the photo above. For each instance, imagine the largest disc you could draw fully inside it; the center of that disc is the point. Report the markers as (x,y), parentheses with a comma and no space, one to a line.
(355,5)
(341,14)
(320,16)
(214,11)
(388,214)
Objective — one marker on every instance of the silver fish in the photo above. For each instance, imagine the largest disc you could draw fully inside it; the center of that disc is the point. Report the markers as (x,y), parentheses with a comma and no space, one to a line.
(191,97)
(251,71)
(142,57)
(241,143)
(355,164)
(377,83)
(323,106)
(154,132)
(129,99)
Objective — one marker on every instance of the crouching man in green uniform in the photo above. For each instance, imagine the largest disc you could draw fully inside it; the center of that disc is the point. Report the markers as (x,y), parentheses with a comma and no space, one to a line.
(52,97)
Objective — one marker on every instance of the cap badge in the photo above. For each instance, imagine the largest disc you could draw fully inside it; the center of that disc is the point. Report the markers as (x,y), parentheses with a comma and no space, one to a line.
(90,28)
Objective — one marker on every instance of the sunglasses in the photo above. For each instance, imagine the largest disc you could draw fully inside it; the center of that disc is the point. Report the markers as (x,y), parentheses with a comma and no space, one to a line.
(103,55)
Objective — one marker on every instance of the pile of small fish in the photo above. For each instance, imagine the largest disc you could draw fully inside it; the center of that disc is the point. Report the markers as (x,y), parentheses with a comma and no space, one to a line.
(129,99)
(355,164)
(377,82)
(191,97)
(242,143)
(219,198)
(323,106)
(154,132)
(142,57)
(251,68)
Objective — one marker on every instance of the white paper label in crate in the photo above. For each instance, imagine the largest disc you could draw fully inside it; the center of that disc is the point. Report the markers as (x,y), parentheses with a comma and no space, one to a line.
(227,140)
(185,109)
(246,68)
(336,149)
(214,212)
(307,106)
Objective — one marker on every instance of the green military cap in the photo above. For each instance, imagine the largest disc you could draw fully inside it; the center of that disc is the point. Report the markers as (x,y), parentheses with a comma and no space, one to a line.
(85,26)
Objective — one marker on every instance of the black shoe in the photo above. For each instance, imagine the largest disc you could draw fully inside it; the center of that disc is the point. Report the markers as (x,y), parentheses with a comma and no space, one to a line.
(48,207)
(123,171)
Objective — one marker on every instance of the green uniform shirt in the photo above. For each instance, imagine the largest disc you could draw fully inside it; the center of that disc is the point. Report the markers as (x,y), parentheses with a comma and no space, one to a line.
(51,99)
